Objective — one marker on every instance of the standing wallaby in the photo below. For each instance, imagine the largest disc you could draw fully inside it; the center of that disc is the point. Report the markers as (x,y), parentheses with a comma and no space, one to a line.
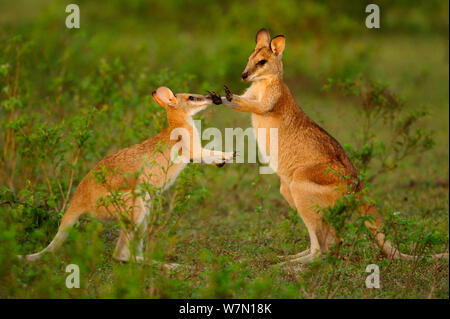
(308,157)
(156,165)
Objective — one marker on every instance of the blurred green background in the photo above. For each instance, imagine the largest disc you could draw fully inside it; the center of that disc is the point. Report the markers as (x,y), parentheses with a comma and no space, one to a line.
(123,51)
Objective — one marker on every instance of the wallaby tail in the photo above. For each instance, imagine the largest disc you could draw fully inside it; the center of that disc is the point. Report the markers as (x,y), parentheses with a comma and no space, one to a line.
(388,249)
(69,219)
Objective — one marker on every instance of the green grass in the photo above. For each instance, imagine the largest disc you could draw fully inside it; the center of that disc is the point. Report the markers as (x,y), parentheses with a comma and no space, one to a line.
(237,222)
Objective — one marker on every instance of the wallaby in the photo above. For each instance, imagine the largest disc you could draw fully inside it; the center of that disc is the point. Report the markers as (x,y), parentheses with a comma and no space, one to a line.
(179,108)
(307,155)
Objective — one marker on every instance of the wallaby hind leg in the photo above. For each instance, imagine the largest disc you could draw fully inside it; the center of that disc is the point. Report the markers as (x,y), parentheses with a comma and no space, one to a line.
(307,196)
(123,250)
(286,192)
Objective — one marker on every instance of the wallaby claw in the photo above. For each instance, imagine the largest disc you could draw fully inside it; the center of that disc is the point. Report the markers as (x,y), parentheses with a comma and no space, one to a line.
(215,98)
(228,93)
(220,164)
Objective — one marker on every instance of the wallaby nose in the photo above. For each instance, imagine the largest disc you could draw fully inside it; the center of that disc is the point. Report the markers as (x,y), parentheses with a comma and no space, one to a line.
(244,75)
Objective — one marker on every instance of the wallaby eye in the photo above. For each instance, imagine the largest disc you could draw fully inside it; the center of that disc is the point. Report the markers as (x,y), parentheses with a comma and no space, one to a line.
(262,62)
(191,98)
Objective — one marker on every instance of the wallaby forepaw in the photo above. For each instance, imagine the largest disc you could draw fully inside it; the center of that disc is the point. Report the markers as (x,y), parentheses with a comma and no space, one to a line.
(227,157)
(230,156)
(228,93)
(221,164)
(215,98)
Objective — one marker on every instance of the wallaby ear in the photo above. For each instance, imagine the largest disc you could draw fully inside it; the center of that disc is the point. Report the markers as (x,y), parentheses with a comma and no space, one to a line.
(164,96)
(262,38)
(277,44)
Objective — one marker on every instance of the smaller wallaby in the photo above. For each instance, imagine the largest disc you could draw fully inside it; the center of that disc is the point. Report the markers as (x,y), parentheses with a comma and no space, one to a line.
(179,108)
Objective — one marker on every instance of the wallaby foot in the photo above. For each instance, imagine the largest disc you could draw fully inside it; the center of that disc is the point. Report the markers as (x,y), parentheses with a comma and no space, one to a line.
(142,261)
(167,266)
(300,254)
(306,259)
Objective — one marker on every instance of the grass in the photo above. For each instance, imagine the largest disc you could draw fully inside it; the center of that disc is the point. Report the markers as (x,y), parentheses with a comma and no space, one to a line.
(90,89)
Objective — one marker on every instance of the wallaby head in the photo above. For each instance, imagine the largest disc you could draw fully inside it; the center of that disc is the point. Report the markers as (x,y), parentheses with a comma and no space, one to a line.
(186,103)
(265,61)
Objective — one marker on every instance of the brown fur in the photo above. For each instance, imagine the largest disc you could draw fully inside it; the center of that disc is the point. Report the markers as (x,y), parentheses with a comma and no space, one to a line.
(123,165)
(305,150)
